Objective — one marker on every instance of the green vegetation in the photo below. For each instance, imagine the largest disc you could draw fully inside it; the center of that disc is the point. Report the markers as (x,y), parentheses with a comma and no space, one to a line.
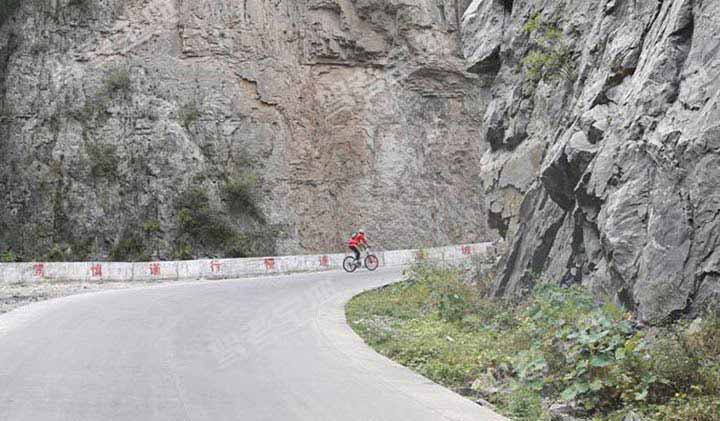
(73,250)
(151,226)
(8,257)
(558,346)
(551,57)
(184,252)
(201,223)
(117,81)
(189,113)
(130,248)
(103,160)
(239,193)
(233,227)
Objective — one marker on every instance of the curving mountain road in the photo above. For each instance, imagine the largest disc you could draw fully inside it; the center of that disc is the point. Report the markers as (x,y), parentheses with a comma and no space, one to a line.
(254,349)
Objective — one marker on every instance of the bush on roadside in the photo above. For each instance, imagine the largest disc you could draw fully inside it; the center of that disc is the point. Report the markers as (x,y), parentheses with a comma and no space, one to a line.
(559,346)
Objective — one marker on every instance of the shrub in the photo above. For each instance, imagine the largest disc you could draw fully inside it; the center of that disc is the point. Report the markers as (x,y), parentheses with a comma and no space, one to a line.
(189,113)
(117,80)
(103,160)
(8,257)
(525,405)
(184,252)
(451,298)
(56,254)
(130,248)
(151,226)
(552,57)
(239,193)
(200,222)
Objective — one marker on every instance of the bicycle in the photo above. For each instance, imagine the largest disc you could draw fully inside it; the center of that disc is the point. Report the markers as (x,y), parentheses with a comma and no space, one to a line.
(371,262)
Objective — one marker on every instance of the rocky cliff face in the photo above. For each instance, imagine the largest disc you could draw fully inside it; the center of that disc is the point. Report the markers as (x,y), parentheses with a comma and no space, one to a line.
(583,132)
(619,102)
(197,127)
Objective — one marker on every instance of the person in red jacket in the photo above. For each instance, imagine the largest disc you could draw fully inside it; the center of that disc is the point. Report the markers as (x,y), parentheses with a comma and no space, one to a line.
(357,242)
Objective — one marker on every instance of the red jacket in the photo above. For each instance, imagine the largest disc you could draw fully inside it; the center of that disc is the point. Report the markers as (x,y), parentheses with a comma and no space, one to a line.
(357,240)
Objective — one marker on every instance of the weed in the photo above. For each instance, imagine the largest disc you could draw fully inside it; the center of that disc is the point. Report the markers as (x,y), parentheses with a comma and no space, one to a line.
(558,346)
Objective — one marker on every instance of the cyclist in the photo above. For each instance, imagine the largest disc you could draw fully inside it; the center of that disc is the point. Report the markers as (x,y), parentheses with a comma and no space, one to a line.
(357,242)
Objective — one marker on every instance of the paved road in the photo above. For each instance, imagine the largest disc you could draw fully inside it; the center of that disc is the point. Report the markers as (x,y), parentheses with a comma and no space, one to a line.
(254,349)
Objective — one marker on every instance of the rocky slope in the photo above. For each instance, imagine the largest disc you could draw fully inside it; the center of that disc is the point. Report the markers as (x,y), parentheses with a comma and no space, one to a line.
(119,115)
(620,99)
(582,132)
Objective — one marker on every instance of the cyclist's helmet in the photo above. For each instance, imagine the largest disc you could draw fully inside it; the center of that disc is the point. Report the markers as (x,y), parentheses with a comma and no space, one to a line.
(361,231)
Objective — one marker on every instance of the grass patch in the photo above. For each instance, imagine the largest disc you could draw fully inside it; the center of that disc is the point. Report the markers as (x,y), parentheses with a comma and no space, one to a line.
(560,346)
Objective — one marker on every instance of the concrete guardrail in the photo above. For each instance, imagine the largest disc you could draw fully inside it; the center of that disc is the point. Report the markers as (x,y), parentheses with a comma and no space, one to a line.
(223,268)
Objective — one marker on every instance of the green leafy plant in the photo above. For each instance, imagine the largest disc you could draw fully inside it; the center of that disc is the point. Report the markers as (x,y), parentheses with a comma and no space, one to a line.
(560,345)
(552,56)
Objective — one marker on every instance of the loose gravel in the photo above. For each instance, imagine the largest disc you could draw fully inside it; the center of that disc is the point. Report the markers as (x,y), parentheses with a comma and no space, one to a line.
(17,295)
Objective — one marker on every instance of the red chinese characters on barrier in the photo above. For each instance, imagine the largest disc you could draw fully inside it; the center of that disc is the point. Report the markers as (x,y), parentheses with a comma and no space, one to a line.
(215,266)
(269,263)
(467,250)
(40,270)
(96,270)
(155,269)
(324,261)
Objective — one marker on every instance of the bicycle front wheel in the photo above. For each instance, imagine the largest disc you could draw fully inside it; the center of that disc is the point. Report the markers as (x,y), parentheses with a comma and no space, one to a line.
(372,262)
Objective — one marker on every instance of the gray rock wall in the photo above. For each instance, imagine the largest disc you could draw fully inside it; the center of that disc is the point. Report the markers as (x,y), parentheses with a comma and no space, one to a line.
(583,132)
(604,165)
(349,113)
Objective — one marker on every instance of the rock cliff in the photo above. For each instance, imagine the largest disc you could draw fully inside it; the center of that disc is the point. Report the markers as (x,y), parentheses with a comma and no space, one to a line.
(136,127)
(603,127)
(583,133)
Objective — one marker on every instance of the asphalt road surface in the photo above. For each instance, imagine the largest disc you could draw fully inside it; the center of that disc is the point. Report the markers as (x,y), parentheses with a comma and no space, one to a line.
(253,349)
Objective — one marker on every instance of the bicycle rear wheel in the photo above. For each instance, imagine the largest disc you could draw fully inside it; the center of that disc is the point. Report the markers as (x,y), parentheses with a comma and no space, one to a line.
(372,262)
(349,264)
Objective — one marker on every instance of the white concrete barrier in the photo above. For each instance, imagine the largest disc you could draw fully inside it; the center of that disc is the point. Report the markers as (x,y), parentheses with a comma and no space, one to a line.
(224,268)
